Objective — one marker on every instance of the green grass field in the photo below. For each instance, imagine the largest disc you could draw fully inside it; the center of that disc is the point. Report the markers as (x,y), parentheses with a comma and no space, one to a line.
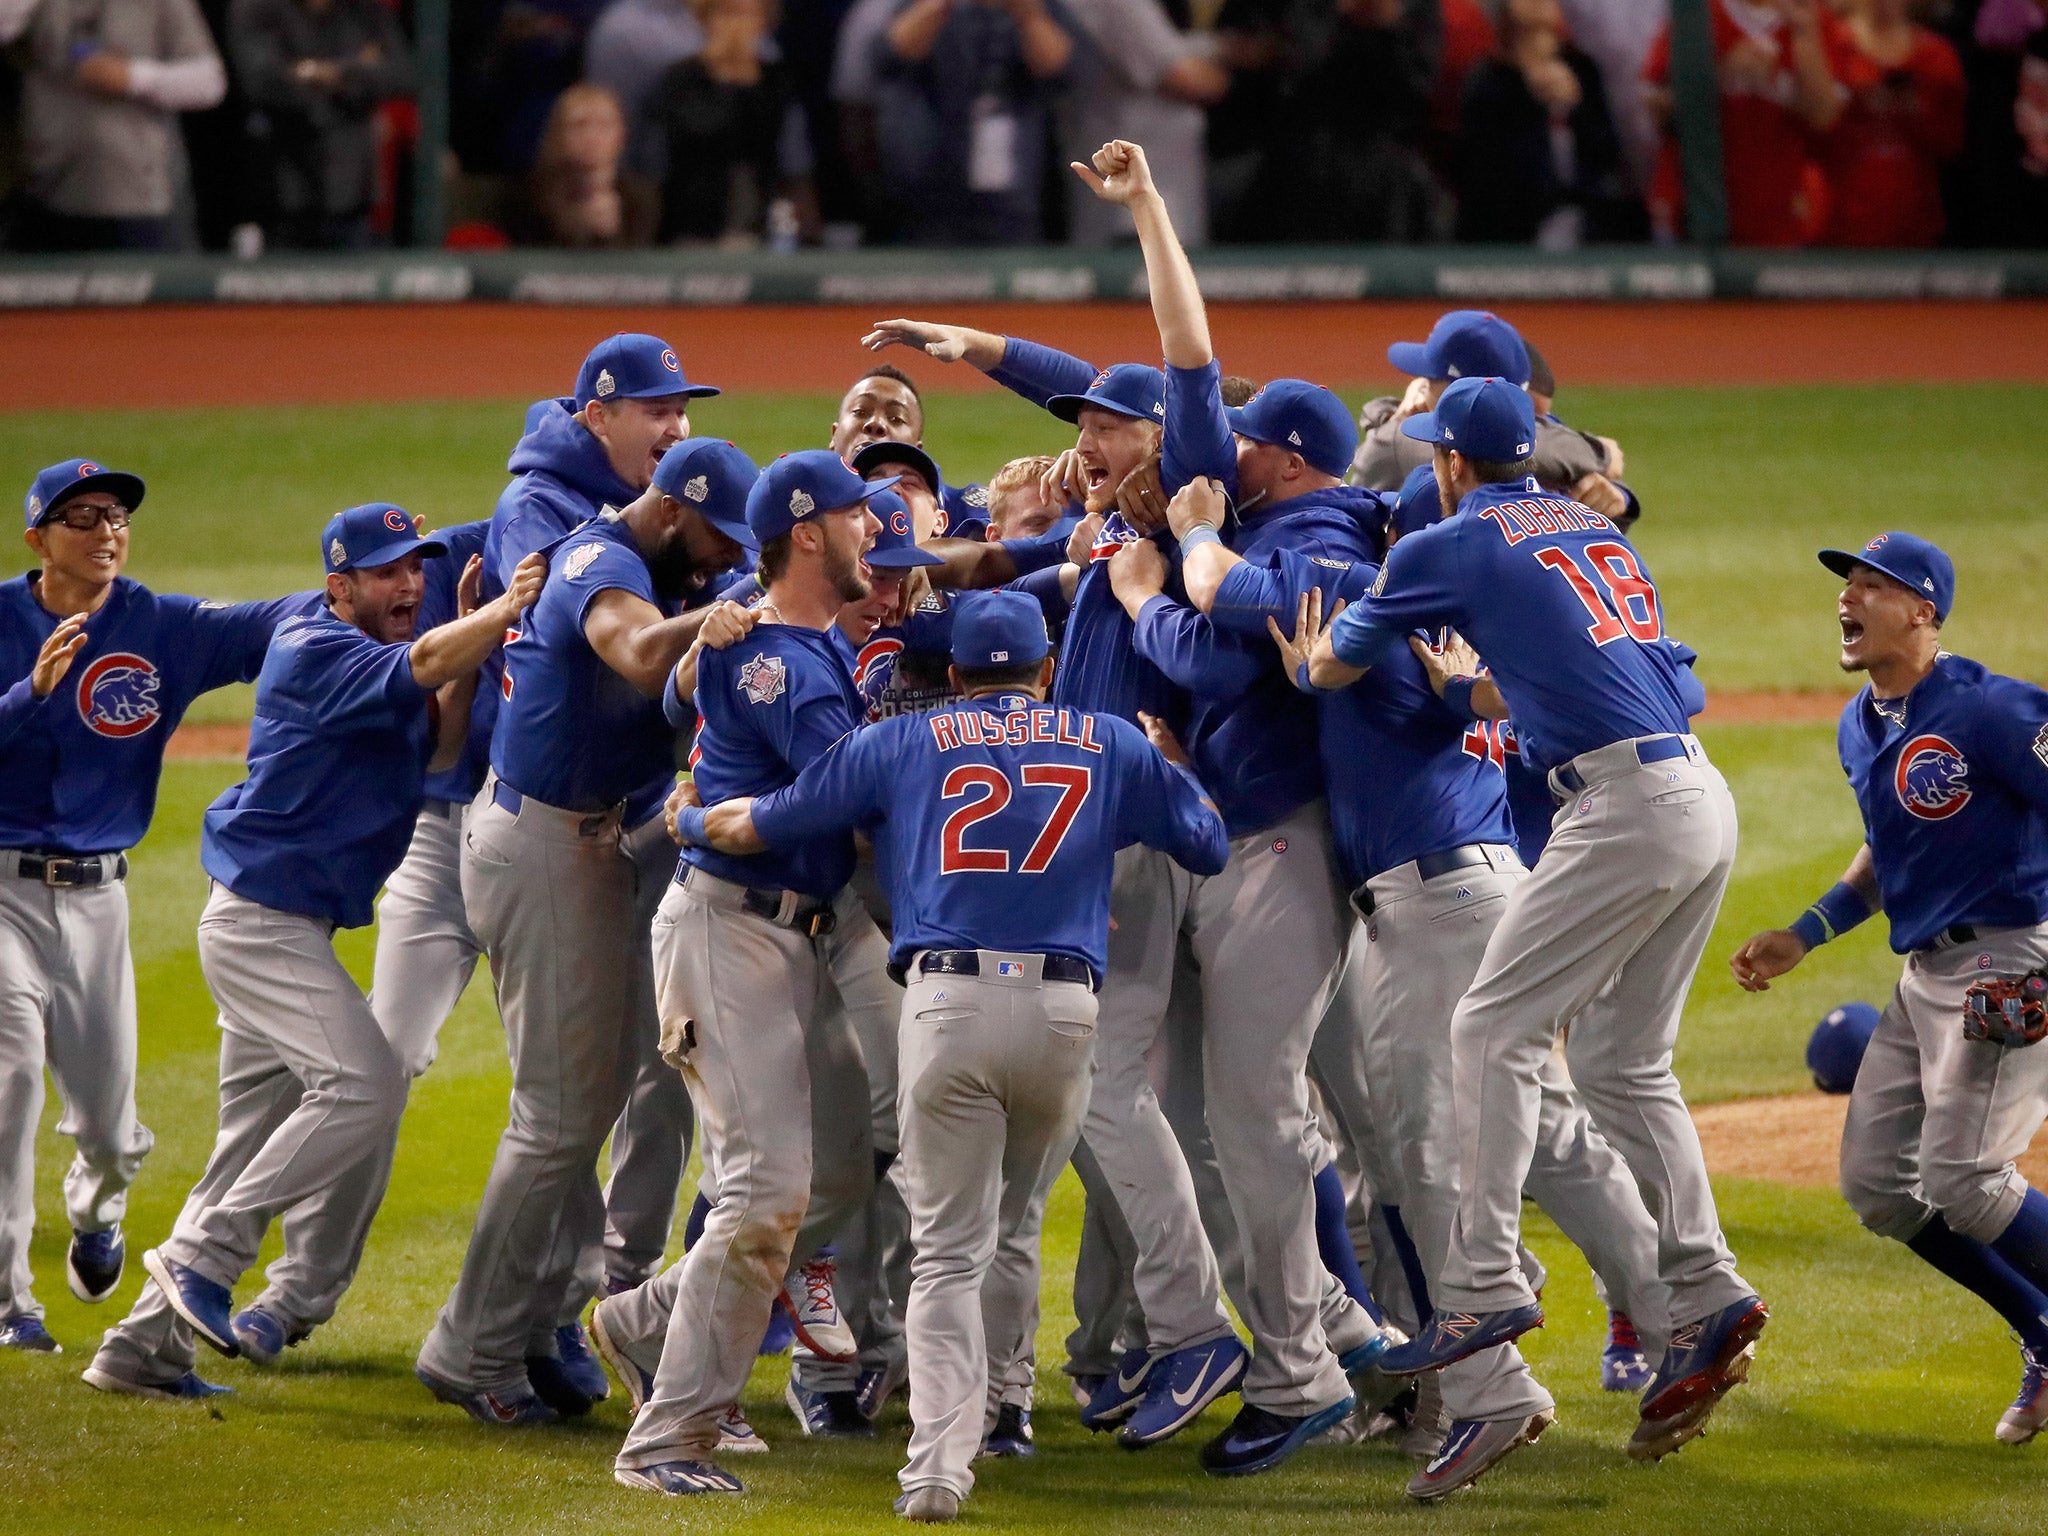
(1871,1405)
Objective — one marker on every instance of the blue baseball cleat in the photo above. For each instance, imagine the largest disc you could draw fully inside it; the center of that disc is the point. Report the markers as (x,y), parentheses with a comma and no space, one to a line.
(1258,1440)
(873,1388)
(2029,1411)
(1451,1336)
(679,1477)
(1179,1386)
(1120,1392)
(572,1380)
(506,1409)
(261,1334)
(780,1336)
(1473,1447)
(1623,1365)
(831,1415)
(94,1264)
(188,1388)
(1367,1356)
(28,1333)
(1011,1437)
(1706,1358)
(205,1304)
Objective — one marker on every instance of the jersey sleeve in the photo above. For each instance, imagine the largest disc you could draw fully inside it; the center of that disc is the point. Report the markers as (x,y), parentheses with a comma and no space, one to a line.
(1164,806)
(1051,594)
(1046,552)
(1250,594)
(806,716)
(595,566)
(343,679)
(2015,734)
(841,788)
(233,639)
(1038,373)
(18,706)
(1418,588)
(1197,440)
(1193,652)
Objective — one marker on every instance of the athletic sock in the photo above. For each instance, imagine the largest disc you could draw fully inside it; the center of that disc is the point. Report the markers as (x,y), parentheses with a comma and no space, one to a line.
(2024,1242)
(1333,1240)
(693,1228)
(1978,1268)
(1411,1263)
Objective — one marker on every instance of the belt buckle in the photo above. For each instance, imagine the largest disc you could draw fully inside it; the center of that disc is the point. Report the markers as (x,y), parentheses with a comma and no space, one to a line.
(822,922)
(51,876)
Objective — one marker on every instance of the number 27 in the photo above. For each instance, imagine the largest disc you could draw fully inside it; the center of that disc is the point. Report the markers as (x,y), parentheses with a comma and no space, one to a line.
(956,858)
(1627,586)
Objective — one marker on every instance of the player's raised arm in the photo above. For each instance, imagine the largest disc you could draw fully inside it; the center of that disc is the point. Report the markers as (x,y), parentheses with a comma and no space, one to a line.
(1120,174)
(445,653)
(935,338)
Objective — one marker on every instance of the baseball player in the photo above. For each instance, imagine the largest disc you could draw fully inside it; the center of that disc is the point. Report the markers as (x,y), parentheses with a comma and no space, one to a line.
(564,856)
(884,406)
(744,950)
(996,821)
(1471,343)
(1253,738)
(99,671)
(351,712)
(1560,606)
(1949,765)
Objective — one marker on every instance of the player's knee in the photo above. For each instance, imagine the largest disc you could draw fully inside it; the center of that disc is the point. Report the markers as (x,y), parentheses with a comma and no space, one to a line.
(1977,1202)
(1880,1200)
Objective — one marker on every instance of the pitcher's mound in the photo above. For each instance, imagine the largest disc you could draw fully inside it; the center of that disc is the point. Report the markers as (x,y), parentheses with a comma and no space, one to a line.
(1795,1138)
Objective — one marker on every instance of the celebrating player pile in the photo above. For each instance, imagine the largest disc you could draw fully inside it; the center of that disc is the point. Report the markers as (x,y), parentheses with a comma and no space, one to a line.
(1319,867)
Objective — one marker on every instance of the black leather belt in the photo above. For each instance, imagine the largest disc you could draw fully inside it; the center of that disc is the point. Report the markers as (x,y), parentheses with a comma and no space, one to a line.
(1948,938)
(59,870)
(509,800)
(1470,856)
(967,962)
(1654,749)
(813,919)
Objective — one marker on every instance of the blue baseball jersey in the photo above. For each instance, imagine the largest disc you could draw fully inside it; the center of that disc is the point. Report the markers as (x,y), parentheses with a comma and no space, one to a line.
(337,770)
(79,767)
(902,668)
(997,821)
(1555,599)
(1954,800)
(444,574)
(767,705)
(1101,667)
(571,732)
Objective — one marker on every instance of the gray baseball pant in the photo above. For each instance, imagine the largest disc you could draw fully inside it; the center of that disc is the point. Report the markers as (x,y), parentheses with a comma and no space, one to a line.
(67,1000)
(995,1079)
(553,894)
(781,1093)
(1936,1121)
(309,1087)
(1626,894)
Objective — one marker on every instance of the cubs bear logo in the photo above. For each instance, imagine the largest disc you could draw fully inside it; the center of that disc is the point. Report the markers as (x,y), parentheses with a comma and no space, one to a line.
(117,696)
(1932,778)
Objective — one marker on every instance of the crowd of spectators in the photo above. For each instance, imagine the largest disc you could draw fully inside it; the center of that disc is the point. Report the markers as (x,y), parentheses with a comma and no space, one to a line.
(635,123)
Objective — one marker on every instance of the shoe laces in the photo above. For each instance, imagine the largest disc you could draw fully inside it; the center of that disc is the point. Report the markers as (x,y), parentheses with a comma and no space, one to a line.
(818,1276)
(1621,1332)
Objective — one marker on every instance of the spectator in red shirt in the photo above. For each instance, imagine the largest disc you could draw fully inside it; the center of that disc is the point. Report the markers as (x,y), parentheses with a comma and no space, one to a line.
(1904,118)
(1780,93)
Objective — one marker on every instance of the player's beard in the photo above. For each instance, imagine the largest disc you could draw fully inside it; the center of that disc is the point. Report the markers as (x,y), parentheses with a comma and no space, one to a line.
(673,571)
(843,571)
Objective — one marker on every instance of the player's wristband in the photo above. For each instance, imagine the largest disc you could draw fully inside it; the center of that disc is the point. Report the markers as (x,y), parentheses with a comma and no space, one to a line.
(1197,536)
(690,826)
(1841,909)
(1458,694)
(1301,679)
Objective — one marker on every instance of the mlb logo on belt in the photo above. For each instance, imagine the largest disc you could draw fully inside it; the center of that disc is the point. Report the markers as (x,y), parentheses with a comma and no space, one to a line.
(1010,968)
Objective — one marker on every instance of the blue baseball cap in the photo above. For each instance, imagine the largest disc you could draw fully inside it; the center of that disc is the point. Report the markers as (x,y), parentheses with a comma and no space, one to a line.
(909,455)
(999,629)
(1835,1050)
(896,548)
(800,486)
(1293,413)
(1419,503)
(60,482)
(1129,389)
(1465,344)
(633,366)
(712,478)
(1909,560)
(374,534)
(1489,419)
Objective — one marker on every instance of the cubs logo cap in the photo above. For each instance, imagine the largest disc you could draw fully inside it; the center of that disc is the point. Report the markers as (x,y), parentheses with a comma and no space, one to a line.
(1835,1049)
(907,455)
(60,482)
(1418,504)
(1909,560)
(711,477)
(634,366)
(1302,417)
(371,535)
(1491,419)
(998,629)
(800,486)
(1128,389)
(1465,344)
(896,547)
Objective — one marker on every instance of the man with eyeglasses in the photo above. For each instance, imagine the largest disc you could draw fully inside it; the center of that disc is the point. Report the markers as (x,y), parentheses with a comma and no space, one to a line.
(98,671)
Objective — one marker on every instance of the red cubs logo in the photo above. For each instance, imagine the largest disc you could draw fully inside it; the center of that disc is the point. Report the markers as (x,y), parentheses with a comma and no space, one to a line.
(117,696)
(1932,778)
(671,363)
(1101,379)
(397,521)
(899,524)
(87,467)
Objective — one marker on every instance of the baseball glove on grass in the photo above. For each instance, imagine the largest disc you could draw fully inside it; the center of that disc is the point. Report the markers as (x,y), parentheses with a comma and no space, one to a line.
(2011,1011)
